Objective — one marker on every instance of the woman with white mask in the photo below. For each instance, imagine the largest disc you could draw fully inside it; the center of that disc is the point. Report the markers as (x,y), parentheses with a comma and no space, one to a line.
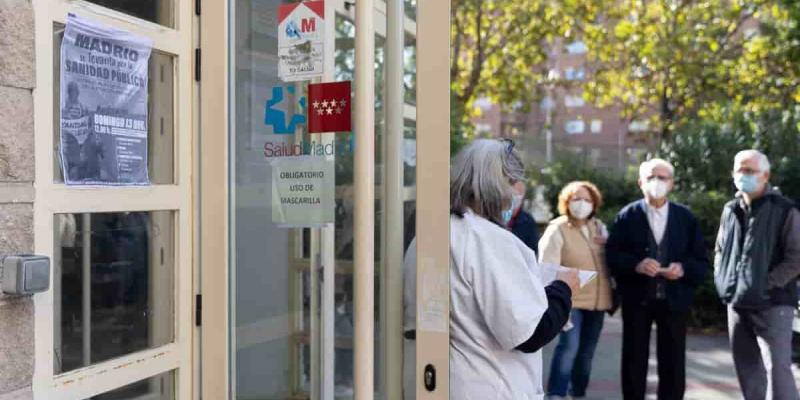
(576,239)
(501,312)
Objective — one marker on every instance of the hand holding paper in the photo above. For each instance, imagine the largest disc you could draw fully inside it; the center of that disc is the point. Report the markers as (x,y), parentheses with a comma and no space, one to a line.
(548,273)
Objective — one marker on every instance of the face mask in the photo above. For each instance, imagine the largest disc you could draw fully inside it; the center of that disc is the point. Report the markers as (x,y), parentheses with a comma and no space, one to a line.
(516,201)
(580,209)
(656,188)
(745,182)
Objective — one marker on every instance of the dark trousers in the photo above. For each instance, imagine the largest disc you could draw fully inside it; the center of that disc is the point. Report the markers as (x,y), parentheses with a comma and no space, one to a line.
(761,341)
(571,365)
(637,321)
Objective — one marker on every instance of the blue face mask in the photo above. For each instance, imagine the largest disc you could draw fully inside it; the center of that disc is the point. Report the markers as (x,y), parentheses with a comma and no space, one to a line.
(516,201)
(746,183)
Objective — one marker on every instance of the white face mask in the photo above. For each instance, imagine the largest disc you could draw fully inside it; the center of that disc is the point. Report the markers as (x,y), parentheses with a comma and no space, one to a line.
(656,188)
(580,209)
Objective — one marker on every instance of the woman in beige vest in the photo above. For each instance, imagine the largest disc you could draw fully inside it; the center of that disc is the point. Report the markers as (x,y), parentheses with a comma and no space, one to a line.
(576,240)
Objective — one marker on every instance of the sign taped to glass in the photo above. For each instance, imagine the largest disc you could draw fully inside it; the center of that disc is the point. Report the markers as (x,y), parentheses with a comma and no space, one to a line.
(301,40)
(303,191)
(103,103)
(329,107)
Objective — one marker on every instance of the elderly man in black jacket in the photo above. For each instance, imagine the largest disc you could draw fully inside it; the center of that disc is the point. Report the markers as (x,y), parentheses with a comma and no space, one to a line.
(756,265)
(655,252)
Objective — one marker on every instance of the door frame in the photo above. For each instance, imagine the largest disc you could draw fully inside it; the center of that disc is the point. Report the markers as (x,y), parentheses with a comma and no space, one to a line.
(433,143)
(54,198)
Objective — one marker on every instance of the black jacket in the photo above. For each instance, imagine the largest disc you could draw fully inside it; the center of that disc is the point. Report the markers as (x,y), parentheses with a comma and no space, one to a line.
(757,252)
(524,227)
(628,244)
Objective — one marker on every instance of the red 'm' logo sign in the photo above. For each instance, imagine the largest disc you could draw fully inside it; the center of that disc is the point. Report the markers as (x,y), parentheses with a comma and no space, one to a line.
(308,25)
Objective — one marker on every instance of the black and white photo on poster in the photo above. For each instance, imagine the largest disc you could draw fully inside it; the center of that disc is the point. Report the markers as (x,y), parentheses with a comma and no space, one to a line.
(103,105)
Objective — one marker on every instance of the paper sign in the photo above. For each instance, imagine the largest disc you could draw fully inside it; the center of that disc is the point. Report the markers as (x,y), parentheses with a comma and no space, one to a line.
(302,191)
(104,78)
(434,312)
(301,40)
(548,272)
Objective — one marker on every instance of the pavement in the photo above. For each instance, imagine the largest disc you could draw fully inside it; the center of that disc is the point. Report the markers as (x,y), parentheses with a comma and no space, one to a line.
(709,367)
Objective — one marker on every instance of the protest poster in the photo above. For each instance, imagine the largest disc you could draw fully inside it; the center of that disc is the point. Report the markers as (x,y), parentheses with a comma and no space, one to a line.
(303,191)
(301,40)
(104,125)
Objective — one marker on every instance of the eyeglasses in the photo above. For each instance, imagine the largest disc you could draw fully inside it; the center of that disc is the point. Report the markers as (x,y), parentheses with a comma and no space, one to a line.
(509,144)
(659,177)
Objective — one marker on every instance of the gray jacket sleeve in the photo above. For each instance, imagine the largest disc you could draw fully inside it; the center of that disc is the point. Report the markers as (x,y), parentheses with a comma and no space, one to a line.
(789,267)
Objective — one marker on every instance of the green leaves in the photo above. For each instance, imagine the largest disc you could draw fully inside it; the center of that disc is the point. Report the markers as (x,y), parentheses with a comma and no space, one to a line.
(671,61)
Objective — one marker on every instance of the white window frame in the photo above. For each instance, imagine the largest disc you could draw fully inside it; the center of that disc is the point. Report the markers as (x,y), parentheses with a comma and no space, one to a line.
(56,198)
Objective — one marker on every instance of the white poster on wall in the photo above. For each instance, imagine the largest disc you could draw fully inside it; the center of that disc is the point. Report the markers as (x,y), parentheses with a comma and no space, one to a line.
(104,78)
(301,40)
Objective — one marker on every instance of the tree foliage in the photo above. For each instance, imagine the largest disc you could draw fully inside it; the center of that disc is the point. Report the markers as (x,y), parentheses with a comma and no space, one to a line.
(500,49)
(666,61)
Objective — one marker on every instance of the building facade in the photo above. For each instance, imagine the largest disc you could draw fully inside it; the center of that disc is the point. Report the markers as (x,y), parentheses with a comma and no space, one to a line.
(17,194)
(564,122)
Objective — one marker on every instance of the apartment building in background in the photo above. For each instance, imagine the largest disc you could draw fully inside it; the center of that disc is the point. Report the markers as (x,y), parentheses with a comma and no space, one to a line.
(598,135)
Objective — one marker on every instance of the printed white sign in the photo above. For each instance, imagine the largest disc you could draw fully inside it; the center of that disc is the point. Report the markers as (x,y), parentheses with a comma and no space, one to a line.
(303,191)
(301,40)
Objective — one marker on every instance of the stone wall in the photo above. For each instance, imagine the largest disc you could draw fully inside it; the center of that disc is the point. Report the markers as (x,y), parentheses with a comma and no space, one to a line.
(17,194)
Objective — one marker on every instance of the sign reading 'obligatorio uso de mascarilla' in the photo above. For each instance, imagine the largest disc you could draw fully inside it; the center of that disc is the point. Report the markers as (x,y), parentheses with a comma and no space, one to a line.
(103,105)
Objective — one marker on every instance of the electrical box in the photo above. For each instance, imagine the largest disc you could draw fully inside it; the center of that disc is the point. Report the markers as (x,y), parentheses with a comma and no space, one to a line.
(24,274)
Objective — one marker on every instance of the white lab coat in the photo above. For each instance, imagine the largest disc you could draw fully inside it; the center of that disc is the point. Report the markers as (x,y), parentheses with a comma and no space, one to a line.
(496,302)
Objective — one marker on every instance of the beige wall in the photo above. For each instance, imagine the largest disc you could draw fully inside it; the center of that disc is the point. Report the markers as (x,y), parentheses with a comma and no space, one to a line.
(16,189)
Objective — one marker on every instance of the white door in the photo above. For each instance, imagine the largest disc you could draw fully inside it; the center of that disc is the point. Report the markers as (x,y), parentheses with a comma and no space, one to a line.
(117,323)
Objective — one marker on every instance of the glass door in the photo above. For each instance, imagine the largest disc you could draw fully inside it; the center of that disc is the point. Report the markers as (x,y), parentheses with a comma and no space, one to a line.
(117,323)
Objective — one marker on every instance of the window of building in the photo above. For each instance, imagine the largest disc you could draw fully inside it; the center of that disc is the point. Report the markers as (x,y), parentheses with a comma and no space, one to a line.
(483,129)
(574,74)
(577,47)
(574,100)
(484,103)
(547,103)
(639,126)
(597,126)
(575,127)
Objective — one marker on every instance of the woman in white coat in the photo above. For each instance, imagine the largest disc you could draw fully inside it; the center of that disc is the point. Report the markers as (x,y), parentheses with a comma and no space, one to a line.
(501,314)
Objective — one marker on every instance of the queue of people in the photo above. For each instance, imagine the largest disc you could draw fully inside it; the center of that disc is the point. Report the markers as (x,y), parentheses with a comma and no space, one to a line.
(505,308)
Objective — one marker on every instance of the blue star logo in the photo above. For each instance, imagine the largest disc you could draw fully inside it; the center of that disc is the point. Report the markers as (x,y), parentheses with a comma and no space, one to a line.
(277,118)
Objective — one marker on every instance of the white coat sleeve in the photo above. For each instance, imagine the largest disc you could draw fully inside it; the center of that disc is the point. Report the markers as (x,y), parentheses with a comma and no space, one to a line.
(510,297)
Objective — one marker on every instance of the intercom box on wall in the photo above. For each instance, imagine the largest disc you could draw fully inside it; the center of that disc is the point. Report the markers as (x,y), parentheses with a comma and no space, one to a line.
(24,274)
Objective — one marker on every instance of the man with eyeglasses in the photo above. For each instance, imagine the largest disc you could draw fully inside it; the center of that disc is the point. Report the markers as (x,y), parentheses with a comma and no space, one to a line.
(656,255)
(756,265)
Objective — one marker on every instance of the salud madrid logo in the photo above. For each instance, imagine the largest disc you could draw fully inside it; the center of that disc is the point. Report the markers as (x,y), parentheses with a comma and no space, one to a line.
(285,114)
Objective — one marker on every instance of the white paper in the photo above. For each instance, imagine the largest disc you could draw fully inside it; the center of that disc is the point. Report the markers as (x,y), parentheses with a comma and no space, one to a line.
(548,273)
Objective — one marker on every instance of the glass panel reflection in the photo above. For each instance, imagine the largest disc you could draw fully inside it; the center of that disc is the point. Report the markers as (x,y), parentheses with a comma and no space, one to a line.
(113,285)
(159,387)
(158,11)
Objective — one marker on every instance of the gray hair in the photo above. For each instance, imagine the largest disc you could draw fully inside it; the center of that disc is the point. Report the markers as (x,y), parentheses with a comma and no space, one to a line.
(481,178)
(763,161)
(648,166)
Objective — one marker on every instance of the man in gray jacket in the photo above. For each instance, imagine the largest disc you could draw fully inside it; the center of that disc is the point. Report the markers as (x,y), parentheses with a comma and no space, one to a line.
(756,265)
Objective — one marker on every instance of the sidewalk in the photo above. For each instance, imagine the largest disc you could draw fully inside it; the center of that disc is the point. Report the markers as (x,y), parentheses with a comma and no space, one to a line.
(709,367)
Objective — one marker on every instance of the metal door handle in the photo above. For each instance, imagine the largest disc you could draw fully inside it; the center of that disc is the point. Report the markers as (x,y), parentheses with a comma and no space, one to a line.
(429,377)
